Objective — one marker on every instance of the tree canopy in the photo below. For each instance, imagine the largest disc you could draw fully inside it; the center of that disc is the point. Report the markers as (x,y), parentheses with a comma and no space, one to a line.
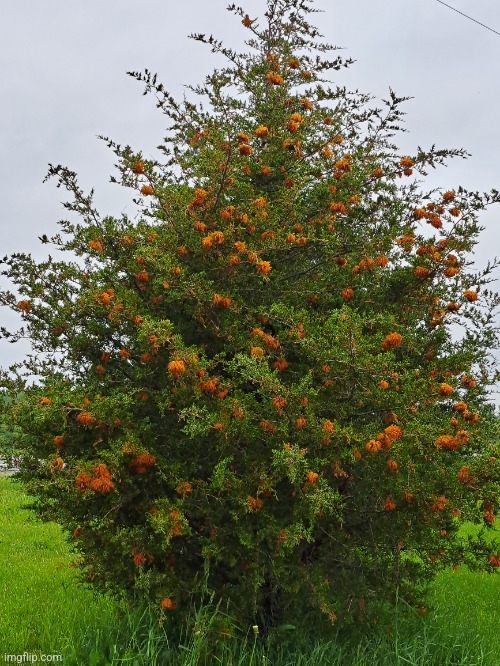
(272,385)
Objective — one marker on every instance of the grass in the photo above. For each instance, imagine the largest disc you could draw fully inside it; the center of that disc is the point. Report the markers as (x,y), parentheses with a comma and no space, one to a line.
(42,607)
(45,610)
(469,603)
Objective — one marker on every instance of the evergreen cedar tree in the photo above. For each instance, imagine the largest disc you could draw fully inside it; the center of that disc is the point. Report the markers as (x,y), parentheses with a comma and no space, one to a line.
(254,390)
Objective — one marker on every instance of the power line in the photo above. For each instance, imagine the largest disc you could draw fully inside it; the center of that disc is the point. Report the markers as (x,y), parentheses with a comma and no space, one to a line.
(469,17)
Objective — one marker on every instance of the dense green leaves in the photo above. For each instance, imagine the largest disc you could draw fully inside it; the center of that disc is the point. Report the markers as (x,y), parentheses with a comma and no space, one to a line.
(278,374)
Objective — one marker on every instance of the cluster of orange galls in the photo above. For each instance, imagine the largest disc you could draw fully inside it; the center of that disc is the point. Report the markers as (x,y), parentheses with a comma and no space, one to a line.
(99,481)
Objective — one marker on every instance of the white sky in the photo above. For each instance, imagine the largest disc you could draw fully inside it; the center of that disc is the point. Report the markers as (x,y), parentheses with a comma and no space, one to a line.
(63,82)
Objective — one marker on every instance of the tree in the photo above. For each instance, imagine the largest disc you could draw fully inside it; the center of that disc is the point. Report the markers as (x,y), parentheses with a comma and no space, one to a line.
(258,387)
(10,439)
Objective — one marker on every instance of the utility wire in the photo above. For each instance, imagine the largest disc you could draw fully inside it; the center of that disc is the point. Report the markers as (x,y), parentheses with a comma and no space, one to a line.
(469,17)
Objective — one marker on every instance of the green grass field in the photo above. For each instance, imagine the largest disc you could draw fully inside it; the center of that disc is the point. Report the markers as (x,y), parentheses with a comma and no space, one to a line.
(45,610)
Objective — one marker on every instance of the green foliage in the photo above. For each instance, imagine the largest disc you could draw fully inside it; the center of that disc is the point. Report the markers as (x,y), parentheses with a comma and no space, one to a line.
(278,375)
(11,435)
(458,628)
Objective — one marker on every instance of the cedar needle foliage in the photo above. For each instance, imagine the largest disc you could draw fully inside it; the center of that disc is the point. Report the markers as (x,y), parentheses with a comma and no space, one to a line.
(255,389)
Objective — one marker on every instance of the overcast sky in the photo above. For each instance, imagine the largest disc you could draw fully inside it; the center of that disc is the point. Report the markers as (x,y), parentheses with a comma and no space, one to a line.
(63,82)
